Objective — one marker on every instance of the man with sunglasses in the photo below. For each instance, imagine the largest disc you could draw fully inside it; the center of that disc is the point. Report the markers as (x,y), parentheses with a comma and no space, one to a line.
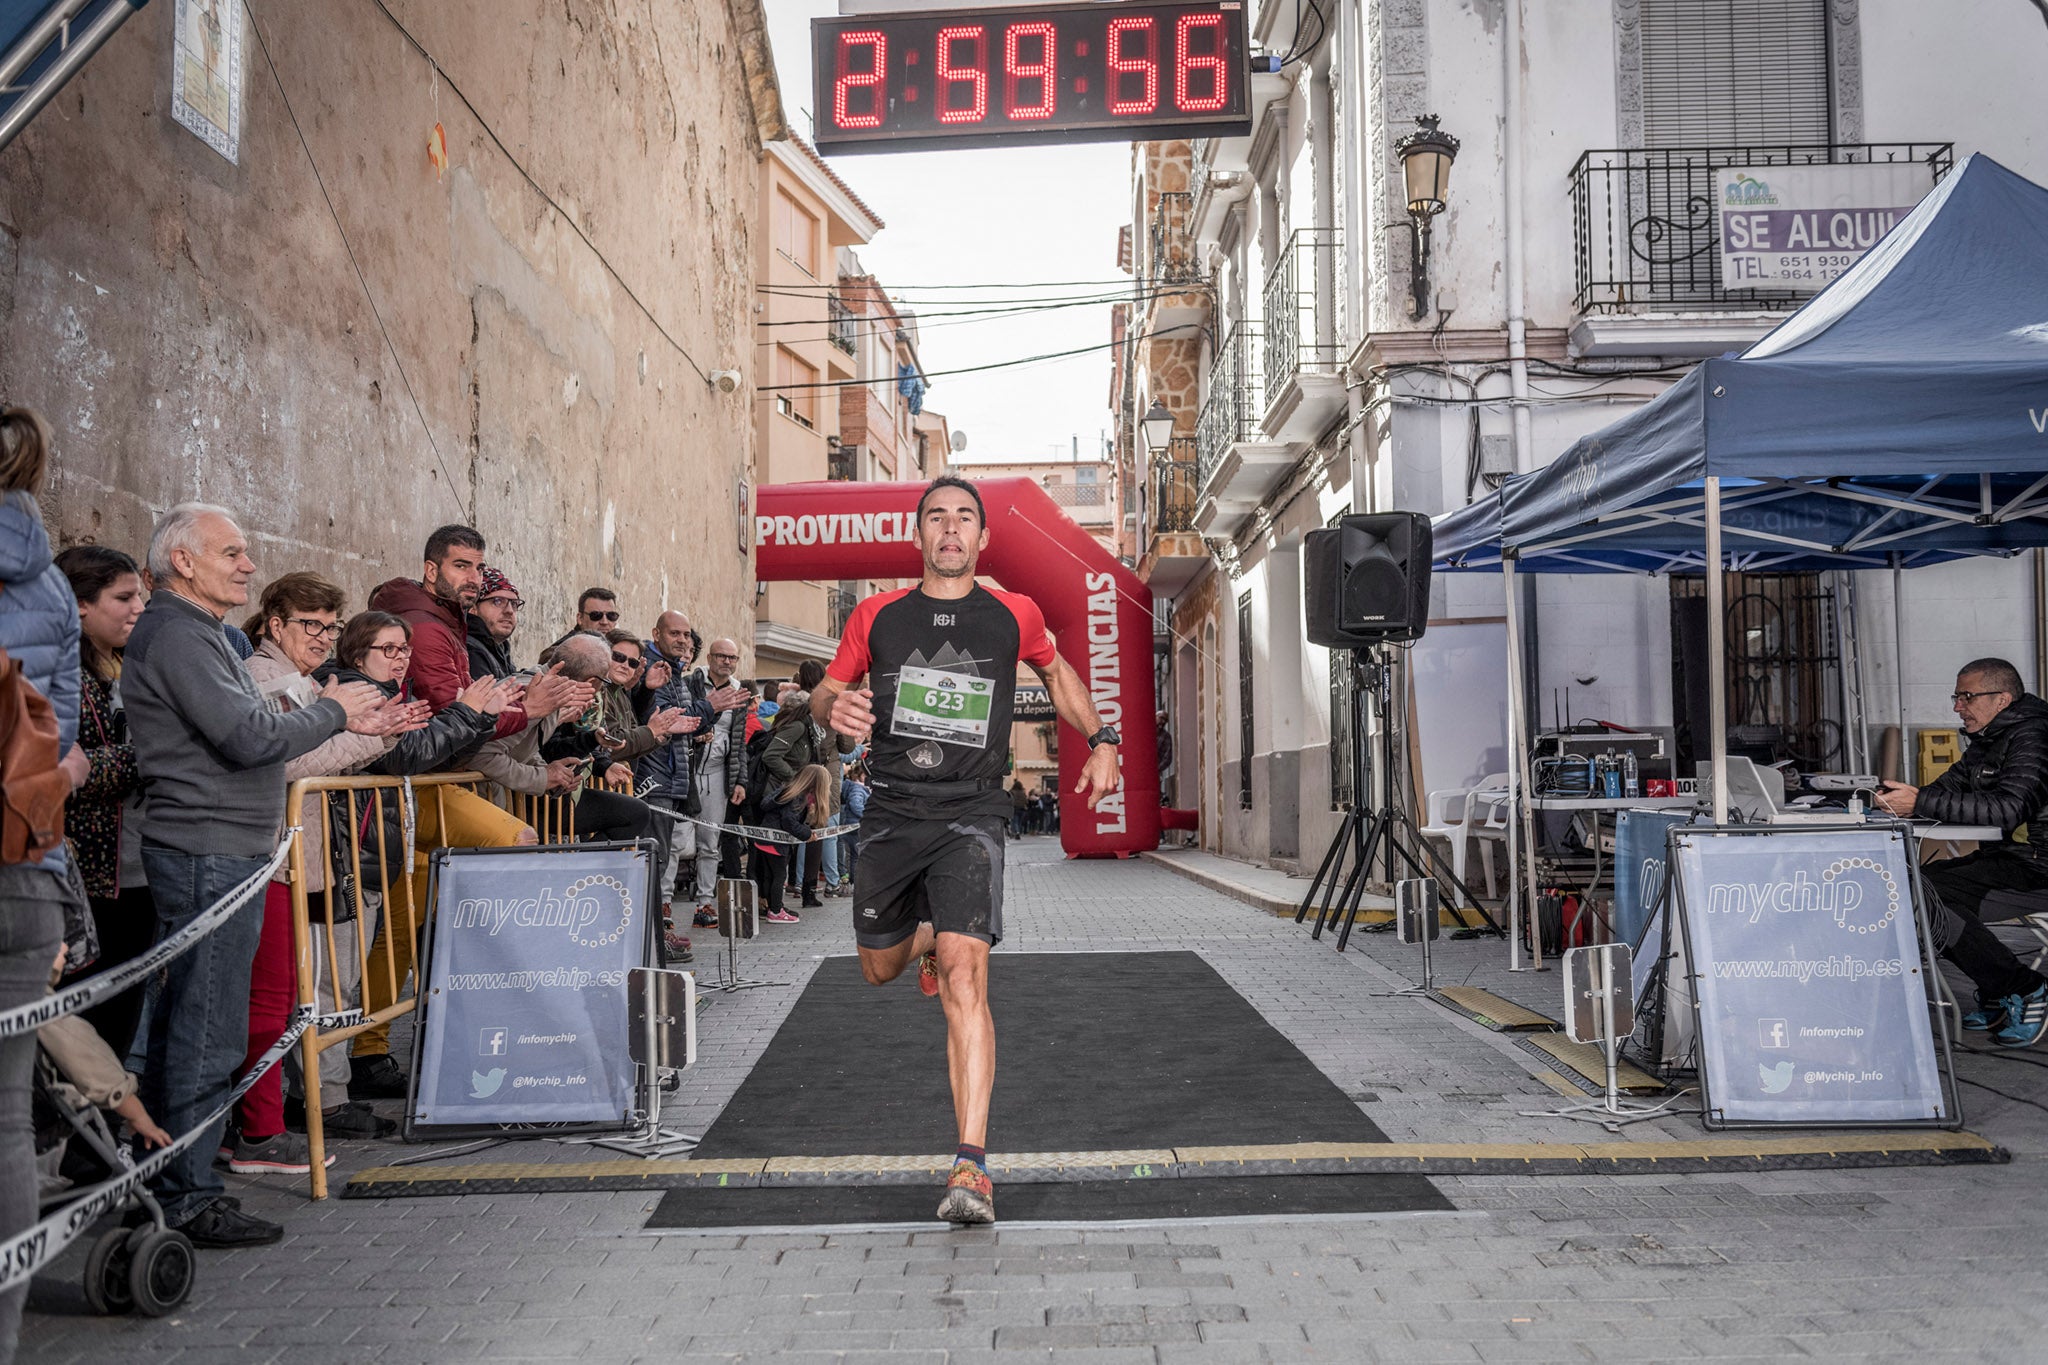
(2001,780)
(597,611)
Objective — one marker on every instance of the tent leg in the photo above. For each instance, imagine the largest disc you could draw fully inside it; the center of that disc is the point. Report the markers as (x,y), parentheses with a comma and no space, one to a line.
(1717,651)
(1899,657)
(1521,849)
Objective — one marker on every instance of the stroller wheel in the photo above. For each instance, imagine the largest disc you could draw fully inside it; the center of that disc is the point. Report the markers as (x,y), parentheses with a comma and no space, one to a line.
(106,1273)
(160,1271)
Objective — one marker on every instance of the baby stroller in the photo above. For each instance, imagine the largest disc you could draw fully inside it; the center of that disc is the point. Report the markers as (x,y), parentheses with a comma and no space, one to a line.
(140,1266)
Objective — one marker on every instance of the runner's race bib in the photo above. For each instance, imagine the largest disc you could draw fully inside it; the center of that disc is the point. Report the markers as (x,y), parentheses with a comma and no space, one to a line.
(952,708)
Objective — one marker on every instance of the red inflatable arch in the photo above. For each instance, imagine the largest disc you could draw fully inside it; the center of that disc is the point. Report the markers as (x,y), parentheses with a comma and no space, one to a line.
(1099,613)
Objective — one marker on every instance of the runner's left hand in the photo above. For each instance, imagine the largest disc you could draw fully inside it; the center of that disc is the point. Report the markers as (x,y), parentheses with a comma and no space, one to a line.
(1100,775)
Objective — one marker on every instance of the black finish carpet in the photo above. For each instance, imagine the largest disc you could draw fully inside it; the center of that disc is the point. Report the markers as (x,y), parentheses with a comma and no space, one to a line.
(1094,1052)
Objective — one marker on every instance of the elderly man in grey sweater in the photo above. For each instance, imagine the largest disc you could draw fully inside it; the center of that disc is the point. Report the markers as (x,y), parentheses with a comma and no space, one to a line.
(212,754)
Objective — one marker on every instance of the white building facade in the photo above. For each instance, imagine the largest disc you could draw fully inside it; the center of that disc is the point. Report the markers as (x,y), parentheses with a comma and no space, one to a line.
(1572,275)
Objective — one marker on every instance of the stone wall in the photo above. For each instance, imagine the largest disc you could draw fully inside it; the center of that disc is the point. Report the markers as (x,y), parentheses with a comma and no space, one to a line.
(349,339)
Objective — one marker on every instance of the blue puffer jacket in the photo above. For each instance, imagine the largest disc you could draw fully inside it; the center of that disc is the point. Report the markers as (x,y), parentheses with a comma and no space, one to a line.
(663,772)
(39,623)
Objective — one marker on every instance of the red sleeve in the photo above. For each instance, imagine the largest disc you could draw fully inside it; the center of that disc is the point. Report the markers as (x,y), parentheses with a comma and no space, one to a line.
(1034,645)
(438,672)
(850,664)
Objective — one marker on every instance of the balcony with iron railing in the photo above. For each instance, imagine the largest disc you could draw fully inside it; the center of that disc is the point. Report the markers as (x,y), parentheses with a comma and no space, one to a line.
(842,323)
(1645,227)
(1230,414)
(1303,360)
(1172,258)
(1174,484)
(839,605)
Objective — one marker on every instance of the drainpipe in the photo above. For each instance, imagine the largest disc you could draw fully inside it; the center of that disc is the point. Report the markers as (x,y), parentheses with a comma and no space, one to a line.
(1511,193)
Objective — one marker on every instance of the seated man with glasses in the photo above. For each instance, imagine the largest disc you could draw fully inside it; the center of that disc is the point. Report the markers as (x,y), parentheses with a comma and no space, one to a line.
(2001,780)
(491,624)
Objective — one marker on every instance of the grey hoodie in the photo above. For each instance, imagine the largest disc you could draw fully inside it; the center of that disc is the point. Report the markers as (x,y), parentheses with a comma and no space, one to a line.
(211,750)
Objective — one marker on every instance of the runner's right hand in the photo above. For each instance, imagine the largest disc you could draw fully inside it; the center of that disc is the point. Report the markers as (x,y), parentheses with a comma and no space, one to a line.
(853,712)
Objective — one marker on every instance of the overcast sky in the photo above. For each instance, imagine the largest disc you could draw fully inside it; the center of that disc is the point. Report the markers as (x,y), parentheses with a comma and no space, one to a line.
(989,217)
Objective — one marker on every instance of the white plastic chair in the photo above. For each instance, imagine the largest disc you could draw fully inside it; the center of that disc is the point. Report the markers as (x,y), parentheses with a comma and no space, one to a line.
(1489,823)
(1444,817)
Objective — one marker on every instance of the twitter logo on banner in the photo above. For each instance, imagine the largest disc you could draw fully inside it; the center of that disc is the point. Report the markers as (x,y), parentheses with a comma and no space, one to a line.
(1776,1080)
(484,1084)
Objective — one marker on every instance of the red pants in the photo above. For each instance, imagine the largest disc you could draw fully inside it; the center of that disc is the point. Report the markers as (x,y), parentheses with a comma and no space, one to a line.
(273,991)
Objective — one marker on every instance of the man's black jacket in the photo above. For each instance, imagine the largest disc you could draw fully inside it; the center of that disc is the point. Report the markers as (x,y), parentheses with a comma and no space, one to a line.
(2001,779)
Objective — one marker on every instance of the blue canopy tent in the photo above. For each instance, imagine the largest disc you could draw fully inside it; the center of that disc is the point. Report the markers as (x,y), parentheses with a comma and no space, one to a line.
(1900,418)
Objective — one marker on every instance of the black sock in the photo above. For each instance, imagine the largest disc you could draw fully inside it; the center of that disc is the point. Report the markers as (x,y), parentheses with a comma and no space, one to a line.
(977,1155)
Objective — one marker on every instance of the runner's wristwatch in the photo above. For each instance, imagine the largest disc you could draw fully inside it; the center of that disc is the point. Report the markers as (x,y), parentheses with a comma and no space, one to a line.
(1106,735)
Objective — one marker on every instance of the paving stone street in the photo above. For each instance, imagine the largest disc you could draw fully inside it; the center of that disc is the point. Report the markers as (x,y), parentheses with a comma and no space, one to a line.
(1908,1264)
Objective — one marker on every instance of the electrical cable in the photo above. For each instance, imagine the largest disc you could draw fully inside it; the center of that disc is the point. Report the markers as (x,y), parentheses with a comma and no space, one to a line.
(2005,1094)
(936,374)
(441,73)
(363,280)
(971,314)
(1000,284)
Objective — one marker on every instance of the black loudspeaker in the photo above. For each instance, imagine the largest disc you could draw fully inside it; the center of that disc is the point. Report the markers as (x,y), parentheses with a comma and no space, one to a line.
(1366,580)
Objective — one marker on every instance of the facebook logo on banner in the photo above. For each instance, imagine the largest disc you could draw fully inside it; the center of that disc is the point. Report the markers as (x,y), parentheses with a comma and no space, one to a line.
(491,1042)
(1773,1033)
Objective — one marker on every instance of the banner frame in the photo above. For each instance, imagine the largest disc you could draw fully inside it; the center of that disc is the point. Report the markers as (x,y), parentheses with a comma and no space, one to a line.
(1944,1058)
(414,1132)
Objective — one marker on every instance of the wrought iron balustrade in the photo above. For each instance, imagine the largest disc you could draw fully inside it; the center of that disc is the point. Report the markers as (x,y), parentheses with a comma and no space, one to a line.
(842,324)
(1174,486)
(1173,258)
(1300,321)
(839,605)
(1645,232)
(1235,402)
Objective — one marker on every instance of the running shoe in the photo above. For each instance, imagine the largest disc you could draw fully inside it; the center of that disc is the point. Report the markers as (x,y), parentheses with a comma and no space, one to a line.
(705,918)
(783,917)
(676,944)
(1988,1015)
(278,1154)
(970,1196)
(928,973)
(2026,1019)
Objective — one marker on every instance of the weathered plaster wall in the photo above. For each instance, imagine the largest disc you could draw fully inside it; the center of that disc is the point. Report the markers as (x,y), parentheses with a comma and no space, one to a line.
(200,329)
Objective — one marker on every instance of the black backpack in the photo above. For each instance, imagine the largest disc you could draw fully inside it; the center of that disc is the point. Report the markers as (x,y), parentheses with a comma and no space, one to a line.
(755,773)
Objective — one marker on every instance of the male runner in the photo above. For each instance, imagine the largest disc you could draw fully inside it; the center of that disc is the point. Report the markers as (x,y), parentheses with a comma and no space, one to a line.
(941,664)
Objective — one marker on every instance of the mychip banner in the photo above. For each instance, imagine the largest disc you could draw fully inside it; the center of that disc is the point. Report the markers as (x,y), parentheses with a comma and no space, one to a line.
(1811,995)
(1798,227)
(523,1011)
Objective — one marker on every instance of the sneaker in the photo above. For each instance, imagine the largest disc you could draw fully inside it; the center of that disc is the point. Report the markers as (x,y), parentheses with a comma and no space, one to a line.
(676,944)
(705,918)
(928,973)
(375,1078)
(2026,1018)
(355,1120)
(783,917)
(278,1154)
(1988,1015)
(970,1195)
(223,1224)
(229,1136)
(811,902)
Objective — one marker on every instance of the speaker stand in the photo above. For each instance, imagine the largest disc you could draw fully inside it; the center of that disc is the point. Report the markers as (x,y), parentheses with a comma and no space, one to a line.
(1357,841)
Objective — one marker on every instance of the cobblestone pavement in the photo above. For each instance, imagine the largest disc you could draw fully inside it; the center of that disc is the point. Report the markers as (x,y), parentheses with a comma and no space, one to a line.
(1908,1265)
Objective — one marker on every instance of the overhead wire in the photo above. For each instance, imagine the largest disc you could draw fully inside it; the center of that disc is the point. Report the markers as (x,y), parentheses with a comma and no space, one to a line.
(939,374)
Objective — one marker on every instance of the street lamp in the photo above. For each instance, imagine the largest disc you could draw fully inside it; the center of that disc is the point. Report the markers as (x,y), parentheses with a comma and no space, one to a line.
(1426,156)
(1157,425)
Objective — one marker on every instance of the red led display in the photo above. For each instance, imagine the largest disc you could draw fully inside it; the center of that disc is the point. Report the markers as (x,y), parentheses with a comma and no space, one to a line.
(1031,73)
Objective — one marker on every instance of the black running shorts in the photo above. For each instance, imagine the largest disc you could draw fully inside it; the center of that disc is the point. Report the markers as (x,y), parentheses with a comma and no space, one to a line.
(949,872)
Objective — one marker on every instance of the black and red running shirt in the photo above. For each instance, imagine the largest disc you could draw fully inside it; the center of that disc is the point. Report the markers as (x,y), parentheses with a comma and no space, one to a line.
(985,634)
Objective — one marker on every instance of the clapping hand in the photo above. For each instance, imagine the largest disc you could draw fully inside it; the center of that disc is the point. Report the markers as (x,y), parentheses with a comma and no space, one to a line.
(657,675)
(362,703)
(548,690)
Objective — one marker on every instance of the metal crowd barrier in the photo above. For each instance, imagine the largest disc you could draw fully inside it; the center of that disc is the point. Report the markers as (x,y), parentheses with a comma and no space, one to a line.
(384,958)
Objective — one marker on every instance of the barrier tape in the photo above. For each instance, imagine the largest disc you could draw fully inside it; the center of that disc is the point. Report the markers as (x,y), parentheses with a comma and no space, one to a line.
(762,833)
(92,990)
(23,1255)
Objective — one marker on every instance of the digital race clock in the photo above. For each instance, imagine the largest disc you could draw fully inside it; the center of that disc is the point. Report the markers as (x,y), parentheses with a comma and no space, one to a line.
(1088,72)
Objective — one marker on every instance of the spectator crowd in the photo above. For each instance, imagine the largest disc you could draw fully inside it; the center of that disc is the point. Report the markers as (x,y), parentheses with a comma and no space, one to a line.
(165,715)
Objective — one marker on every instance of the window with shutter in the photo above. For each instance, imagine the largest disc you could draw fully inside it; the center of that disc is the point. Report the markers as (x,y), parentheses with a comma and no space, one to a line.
(1720,73)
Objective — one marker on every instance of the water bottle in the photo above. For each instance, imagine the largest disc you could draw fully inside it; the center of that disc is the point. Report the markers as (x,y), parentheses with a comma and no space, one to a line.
(1611,778)
(1631,785)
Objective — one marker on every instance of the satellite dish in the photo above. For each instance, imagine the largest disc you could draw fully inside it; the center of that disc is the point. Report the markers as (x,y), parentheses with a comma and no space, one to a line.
(958,441)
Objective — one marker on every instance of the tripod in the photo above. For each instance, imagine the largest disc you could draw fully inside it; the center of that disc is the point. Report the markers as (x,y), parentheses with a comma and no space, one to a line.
(1358,839)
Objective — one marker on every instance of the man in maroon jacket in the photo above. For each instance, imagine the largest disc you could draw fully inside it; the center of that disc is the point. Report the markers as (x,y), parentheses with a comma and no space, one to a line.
(437,608)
